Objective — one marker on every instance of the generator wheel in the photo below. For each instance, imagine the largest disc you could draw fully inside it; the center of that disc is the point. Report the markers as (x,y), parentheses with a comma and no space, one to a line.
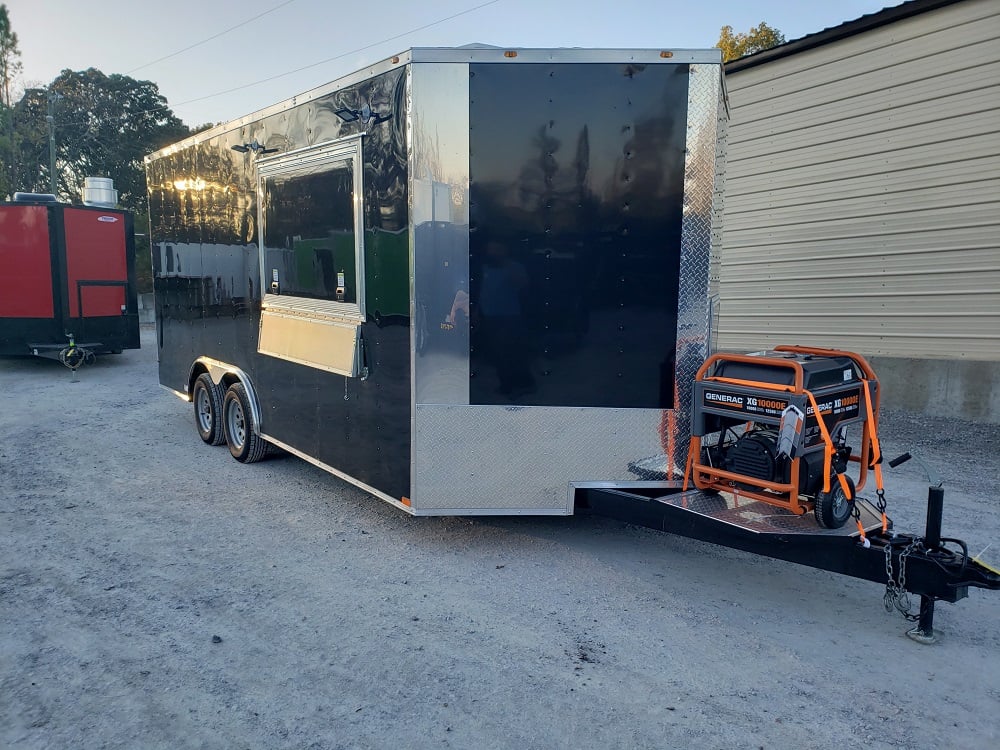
(207,400)
(244,443)
(834,509)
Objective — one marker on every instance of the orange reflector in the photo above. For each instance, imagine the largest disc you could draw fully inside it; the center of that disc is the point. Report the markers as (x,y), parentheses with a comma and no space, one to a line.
(405,501)
(666,54)
(510,53)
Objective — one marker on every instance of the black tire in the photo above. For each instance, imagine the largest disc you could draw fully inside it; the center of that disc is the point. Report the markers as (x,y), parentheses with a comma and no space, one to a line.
(207,399)
(833,509)
(241,435)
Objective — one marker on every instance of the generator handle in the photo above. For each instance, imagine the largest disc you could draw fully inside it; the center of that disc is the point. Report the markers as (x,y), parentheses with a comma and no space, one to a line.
(860,361)
(795,367)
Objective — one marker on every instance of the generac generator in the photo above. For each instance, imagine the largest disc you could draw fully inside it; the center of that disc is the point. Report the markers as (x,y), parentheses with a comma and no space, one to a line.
(773,426)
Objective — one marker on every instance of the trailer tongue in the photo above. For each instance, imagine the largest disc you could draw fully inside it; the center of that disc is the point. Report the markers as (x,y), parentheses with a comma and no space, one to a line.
(933,567)
(769,444)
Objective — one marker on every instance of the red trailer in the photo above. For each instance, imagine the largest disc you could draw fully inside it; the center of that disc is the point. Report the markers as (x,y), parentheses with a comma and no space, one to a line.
(68,280)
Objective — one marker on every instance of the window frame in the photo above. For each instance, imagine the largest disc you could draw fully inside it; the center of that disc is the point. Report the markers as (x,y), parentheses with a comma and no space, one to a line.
(343,149)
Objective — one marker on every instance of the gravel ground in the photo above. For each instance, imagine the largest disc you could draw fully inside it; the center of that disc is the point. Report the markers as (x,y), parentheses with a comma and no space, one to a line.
(154,593)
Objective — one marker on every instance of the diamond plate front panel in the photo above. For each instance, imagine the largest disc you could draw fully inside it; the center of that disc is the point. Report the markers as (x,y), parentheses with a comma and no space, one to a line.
(694,310)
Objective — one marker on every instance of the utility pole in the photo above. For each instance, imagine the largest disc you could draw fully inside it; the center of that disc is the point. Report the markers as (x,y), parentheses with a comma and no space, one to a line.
(51,120)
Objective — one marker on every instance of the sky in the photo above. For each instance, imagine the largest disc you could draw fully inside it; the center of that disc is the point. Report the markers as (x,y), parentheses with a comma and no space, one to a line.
(301,44)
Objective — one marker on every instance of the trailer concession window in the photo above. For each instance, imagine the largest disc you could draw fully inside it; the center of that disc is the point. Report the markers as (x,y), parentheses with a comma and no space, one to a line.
(313,256)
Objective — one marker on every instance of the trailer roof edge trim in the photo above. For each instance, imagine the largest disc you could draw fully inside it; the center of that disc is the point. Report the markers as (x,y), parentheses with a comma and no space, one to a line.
(564,54)
(471,54)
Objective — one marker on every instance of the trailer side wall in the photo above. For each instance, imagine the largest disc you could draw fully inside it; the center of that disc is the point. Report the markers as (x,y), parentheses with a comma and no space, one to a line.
(204,214)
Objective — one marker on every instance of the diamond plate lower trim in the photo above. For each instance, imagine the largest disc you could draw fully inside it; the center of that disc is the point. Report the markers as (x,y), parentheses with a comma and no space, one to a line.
(510,457)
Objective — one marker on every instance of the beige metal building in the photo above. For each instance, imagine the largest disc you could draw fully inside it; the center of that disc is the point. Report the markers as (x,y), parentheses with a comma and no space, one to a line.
(862,201)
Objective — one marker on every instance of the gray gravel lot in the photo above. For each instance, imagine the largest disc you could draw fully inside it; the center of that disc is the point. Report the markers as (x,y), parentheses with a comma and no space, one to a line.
(154,593)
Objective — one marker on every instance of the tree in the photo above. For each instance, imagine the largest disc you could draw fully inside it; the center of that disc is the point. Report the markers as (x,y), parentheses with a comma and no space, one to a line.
(104,126)
(202,128)
(10,66)
(737,44)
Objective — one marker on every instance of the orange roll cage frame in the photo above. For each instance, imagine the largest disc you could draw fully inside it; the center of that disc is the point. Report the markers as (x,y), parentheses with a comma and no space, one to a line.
(781,494)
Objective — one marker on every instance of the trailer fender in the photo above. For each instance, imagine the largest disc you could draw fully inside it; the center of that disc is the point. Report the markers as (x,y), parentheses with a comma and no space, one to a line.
(224,375)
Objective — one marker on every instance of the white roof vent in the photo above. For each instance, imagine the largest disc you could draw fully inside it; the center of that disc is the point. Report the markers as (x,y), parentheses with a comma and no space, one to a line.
(34,198)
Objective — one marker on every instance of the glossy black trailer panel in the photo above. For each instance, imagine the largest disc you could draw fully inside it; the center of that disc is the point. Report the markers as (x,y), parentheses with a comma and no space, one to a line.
(576,195)
(204,213)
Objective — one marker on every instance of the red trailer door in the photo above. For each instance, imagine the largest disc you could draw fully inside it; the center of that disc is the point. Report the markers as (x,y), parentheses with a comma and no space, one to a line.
(95,256)
(25,263)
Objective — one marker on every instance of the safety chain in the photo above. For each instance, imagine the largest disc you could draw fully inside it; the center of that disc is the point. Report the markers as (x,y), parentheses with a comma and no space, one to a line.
(896,596)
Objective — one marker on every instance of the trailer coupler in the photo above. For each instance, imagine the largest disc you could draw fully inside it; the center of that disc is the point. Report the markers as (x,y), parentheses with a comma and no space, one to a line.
(72,355)
(932,567)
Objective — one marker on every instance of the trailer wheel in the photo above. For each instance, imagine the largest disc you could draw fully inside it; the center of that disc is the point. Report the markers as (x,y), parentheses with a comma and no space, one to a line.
(244,443)
(207,401)
(834,508)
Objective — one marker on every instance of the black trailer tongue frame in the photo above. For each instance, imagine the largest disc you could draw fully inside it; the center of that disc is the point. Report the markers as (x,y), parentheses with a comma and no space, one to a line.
(928,566)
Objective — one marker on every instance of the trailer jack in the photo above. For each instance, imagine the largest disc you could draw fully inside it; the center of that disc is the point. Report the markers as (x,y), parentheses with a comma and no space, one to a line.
(933,567)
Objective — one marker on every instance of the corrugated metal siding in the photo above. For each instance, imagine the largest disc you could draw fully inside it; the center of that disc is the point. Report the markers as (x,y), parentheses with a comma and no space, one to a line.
(863,193)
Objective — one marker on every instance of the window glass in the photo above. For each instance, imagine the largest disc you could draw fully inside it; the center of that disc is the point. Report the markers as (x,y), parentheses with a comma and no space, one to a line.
(310,215)
(309,233)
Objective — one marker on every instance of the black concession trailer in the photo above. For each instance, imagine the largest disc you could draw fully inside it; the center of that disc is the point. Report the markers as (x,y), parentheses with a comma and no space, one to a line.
(476,281)
(69,286)
(466,280)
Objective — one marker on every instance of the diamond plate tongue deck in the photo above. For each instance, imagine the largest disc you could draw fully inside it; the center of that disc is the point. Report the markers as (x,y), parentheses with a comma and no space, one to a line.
(761,518)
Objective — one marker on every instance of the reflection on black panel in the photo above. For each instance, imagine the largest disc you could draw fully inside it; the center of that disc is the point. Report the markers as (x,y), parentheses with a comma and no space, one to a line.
(309,236)
(203,211)
(577,176)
